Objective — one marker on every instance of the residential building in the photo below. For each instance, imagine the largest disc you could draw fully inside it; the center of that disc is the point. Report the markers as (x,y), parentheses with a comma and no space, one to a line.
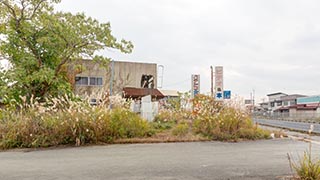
(288,107)
(293,107)
(290,100)
(275,101)
(307,107)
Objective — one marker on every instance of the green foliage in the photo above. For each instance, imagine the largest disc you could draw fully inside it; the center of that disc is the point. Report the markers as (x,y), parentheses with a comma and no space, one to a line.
(40,44)
(174,103)
(307,168)
(78,123)
(212,119)
(161,126)
(126,124)
(180,129)
(222,122)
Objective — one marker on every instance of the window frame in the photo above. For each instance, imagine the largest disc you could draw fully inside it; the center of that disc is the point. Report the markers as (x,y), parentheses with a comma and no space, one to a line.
(97,81)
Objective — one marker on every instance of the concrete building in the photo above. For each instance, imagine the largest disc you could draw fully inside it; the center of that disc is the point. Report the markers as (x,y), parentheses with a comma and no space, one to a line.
(275,101)
(93,79)
(309,101)
(290,100)
(293,107)
(308,107)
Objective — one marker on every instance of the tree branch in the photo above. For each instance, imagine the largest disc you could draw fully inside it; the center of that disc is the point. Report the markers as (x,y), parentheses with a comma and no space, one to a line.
(67,57)
(22,10)
(35,10)
(11,9)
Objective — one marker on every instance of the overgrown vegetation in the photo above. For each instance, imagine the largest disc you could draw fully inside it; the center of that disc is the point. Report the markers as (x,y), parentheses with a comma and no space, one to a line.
(74,123)
(43,47)
(212,119)
(307,167)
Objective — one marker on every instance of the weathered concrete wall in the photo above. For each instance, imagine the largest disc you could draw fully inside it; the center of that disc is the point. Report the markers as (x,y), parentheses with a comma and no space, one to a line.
(126,74)
(129,74)
(92,69)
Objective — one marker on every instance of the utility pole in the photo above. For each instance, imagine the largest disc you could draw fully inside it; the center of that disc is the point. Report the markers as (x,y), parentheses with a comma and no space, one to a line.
(111,78)
(253,91)
(160,76)
(211,81)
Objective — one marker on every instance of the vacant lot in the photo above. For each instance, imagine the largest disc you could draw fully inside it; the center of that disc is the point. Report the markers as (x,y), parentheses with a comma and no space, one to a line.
(264,159)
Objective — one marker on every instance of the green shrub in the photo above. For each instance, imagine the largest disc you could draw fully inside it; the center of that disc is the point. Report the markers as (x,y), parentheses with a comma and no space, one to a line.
(167,119)
(223,122)
(181,129)
(170,116)
(126,124)
(253,133)
(161,126)
(307,168)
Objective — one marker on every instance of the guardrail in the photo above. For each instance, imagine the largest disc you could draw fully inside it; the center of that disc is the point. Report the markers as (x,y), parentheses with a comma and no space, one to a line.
(298,118)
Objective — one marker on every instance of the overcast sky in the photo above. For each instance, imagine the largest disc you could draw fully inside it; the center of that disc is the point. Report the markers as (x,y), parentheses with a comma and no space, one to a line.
(265,45)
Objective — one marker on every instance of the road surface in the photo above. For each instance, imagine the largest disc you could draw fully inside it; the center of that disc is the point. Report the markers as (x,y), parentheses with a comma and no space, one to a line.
(252,160)
(289,124)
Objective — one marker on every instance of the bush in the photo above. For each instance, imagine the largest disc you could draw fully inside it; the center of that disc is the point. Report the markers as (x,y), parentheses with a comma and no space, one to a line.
(307,168)
(181,129)
(79,124)
(171,116)
(223,122)
(167,119)
(161,126)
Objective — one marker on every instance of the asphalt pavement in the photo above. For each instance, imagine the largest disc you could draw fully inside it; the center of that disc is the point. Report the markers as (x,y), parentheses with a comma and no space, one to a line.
(265,159)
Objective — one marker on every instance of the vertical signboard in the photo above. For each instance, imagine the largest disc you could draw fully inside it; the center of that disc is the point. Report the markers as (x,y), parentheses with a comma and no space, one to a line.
(195,85)
(226,94)
(219,83)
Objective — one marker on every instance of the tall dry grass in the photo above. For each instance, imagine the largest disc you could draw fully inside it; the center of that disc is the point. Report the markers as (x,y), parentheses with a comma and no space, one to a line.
(224,121)
(62,121)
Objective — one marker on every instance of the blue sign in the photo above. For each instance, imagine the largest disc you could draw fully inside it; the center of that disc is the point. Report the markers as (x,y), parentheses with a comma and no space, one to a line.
(226,94)
(219,96)
(195,92)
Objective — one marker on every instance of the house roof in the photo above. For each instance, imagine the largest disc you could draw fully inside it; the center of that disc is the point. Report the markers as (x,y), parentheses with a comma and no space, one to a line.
(291,97)
(303,107)
(171,93)
(278,93)
(130,92)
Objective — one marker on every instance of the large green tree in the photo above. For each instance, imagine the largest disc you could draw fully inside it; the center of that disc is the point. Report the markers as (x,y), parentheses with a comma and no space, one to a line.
(40,43)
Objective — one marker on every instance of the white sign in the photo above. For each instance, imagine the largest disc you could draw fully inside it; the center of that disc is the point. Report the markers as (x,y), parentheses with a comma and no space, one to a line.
(219,83)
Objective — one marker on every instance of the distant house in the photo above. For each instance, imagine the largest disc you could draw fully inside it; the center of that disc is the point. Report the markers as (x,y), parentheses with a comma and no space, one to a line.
(308,106)
(275,101)
(170,93)
(295,106)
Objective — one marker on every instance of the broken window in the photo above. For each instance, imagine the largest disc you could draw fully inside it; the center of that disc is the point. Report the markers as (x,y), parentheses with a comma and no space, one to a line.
(147,81)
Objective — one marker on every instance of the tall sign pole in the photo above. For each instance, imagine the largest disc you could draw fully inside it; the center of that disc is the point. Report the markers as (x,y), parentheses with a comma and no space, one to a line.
(211,81)
(195,85)
(219,83)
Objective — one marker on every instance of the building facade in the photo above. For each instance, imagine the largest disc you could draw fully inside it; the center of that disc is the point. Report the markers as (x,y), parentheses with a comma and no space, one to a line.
(275,101)
(293,107)
(93,79)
